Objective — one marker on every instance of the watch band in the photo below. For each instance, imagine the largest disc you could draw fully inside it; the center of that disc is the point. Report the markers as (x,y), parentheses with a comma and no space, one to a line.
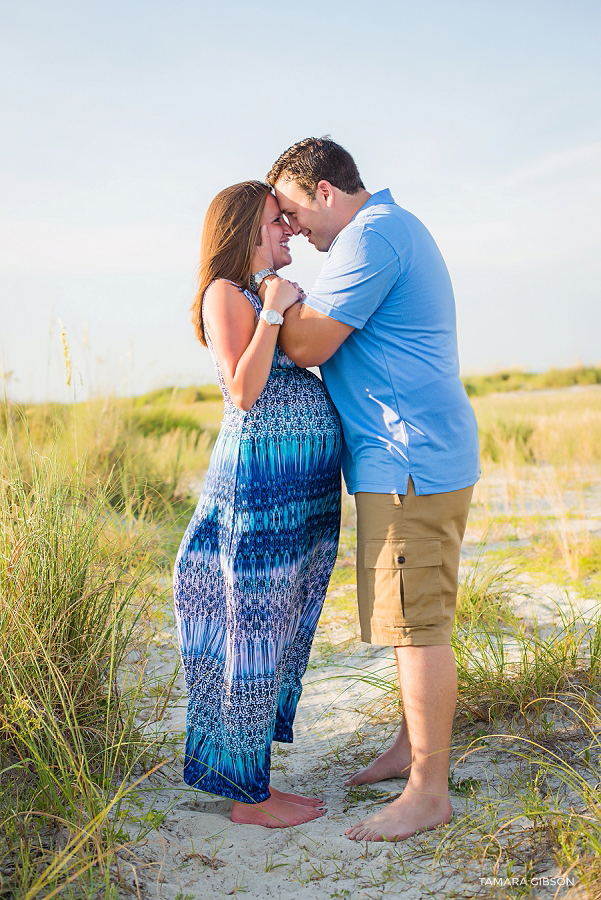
(271,316)
(257,277)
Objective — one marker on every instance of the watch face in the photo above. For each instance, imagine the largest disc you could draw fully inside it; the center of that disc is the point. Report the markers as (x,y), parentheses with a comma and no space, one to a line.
(272,316)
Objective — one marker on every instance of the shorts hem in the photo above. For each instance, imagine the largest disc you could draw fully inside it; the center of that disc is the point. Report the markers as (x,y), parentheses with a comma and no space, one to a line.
(416,636)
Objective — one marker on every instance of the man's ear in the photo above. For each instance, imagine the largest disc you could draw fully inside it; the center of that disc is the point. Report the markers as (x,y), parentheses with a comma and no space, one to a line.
(325,191)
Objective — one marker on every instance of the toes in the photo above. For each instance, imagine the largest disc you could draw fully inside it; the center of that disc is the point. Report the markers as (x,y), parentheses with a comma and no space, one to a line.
(376,836)
(353,779)
(355,832)
(317,816)
(362,832)
(360,835)
(319,804)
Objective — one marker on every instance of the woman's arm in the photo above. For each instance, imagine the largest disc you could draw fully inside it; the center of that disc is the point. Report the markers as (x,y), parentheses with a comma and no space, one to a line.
(244,349)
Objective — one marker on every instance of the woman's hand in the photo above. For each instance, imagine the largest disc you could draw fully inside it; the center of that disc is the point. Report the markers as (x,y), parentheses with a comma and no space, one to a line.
(301,293)
(281,294)
(265,251)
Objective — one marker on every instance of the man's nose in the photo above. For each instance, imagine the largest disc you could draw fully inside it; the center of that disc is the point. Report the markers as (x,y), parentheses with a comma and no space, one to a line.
(295,227)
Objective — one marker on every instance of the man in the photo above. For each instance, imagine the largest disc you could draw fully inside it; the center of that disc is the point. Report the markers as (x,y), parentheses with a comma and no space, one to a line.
(380,322)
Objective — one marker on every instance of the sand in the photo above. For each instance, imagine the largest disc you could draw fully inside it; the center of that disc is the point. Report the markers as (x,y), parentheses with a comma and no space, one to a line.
(196,852)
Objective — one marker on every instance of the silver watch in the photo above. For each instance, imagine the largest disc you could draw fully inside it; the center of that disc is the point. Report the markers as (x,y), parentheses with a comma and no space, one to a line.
(256,279)
(271,316)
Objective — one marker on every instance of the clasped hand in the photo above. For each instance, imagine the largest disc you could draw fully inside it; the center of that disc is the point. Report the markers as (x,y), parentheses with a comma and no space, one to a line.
(281,294)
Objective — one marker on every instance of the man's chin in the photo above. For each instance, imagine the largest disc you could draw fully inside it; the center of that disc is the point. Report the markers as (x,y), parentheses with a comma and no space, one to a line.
(317,243)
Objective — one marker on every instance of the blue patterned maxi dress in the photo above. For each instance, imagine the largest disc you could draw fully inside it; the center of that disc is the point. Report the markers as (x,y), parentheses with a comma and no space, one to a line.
(251,575)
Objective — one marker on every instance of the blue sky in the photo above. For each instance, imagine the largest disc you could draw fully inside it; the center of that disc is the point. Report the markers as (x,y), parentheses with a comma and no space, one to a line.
(121,120)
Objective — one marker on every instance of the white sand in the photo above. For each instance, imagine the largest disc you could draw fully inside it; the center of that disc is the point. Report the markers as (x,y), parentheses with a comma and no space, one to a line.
(198,853)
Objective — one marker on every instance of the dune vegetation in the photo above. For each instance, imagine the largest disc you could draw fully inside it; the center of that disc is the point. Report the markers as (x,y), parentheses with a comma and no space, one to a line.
(94,498)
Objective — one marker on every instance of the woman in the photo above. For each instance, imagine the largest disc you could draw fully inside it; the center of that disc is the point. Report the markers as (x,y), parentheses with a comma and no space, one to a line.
(254,564)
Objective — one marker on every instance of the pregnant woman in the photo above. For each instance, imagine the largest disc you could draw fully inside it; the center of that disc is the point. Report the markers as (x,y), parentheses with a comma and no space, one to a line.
(254,564)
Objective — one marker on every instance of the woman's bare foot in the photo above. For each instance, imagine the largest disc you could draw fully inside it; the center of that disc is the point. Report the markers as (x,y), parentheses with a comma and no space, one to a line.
(413,811)
(297,798)
(273,813)
(389,764)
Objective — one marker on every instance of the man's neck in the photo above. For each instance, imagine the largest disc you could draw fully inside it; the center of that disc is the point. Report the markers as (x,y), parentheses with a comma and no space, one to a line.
(353,204)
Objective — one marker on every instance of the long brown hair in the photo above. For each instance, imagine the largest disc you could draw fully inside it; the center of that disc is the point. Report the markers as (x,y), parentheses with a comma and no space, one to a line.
(230,234)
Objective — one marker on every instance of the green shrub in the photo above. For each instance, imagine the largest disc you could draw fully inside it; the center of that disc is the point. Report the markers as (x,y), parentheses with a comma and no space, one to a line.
(74,577)
(517,380)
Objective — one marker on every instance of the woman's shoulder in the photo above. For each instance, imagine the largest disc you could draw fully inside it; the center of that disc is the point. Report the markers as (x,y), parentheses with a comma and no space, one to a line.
(223,294)
(223,290)
(224,286)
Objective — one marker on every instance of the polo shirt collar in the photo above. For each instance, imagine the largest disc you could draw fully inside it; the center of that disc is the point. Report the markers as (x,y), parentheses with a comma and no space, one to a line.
(379,197)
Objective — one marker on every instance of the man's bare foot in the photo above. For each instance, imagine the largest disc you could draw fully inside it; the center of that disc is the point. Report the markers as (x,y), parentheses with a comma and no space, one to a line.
(411,812)
(273,813)
(389,764)
(297,798)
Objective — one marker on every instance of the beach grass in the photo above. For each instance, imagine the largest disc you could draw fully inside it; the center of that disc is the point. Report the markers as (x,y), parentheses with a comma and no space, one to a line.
(79,576)
(94,498)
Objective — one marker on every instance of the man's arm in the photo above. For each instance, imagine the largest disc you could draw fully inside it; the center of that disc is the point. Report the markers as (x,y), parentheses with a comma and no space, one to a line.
(309,337)
(360,270)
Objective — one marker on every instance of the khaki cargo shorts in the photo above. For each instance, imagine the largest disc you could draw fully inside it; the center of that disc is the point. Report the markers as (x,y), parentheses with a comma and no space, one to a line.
(408,552)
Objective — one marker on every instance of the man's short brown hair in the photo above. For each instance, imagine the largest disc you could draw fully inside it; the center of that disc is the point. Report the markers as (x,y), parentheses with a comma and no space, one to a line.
(315,159)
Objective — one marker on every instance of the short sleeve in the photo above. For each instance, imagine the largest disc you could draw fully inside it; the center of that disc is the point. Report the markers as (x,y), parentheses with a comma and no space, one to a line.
(360,270)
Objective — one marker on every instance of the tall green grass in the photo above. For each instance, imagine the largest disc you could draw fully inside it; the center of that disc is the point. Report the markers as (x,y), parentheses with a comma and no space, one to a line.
(561,429)
(77,576)
(145,454)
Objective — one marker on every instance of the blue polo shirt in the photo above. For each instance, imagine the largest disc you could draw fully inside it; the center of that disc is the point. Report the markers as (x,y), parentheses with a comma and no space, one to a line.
(395,379)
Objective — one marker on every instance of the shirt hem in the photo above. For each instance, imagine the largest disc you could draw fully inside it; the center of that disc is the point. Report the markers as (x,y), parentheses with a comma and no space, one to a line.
(333,312)
(375,487)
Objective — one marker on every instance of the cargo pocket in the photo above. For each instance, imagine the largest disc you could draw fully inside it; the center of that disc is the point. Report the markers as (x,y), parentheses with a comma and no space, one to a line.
(403,582)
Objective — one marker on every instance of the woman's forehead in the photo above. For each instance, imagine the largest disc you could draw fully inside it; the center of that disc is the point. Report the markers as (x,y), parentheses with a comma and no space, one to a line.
(271,206)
